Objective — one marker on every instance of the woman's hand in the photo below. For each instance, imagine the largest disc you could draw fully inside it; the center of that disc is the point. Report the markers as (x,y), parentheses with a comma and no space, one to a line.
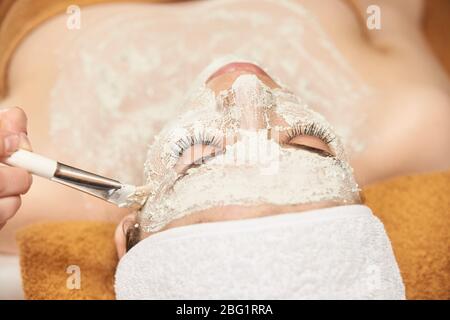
(13,181)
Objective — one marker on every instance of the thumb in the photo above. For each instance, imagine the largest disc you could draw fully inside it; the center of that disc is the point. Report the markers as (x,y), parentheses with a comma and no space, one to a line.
(24,142)
(9,143)
(15,120)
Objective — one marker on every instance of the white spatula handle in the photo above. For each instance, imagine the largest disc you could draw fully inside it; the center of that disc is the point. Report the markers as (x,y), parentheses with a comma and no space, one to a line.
(33,163)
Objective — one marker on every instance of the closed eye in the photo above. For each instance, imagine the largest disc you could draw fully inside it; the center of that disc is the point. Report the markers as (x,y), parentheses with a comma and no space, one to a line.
(195,156)
(310,137)
(312,144)
(192,151)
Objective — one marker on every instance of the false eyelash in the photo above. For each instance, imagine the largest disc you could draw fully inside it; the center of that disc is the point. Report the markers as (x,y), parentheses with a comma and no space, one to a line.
(199,137)
(310,129)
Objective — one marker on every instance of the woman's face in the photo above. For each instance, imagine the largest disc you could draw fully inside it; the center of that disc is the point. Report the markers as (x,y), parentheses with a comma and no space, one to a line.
(245,148)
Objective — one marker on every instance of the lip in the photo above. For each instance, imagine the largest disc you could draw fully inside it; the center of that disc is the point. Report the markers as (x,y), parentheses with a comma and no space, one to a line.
(238,66)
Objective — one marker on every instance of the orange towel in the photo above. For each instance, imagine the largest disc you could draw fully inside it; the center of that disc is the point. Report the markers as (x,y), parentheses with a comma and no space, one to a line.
(415,211)
(47,250)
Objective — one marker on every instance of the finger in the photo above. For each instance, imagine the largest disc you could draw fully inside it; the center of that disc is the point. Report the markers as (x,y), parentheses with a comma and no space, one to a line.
(14,181)
(14,120)
(9,142)
(9,207)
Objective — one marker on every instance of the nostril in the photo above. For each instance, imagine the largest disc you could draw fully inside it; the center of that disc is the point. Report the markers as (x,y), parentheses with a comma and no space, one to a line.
(223,78)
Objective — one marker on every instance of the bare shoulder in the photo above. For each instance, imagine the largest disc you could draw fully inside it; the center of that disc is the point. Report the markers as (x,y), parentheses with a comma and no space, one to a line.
(420,129)
(435,112)
(410,133)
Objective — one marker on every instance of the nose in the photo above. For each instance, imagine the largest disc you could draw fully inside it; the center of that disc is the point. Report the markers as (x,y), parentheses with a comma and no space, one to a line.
(239,93)
(247,103)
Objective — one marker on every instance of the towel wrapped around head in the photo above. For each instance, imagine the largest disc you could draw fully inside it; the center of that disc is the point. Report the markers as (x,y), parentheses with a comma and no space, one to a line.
(334,253)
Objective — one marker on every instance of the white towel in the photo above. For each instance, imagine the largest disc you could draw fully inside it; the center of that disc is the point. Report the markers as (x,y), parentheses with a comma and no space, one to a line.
(334,253)
(10,278)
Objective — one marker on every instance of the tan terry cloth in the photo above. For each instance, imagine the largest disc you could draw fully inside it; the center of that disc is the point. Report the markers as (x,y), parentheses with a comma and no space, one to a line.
(48,250)
(415,211)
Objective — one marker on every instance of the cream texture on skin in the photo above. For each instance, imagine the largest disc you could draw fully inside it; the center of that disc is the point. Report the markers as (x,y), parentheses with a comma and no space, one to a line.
(255,164)
(123,76)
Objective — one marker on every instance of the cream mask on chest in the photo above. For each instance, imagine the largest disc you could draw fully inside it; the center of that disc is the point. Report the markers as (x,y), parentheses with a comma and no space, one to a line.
(234,148)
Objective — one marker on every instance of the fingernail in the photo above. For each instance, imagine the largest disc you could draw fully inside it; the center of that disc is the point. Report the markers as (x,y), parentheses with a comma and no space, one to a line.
(25,142)
(11,143)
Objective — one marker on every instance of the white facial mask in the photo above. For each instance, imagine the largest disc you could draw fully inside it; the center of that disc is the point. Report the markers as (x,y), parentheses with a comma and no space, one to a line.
(334,253)
(253,169)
